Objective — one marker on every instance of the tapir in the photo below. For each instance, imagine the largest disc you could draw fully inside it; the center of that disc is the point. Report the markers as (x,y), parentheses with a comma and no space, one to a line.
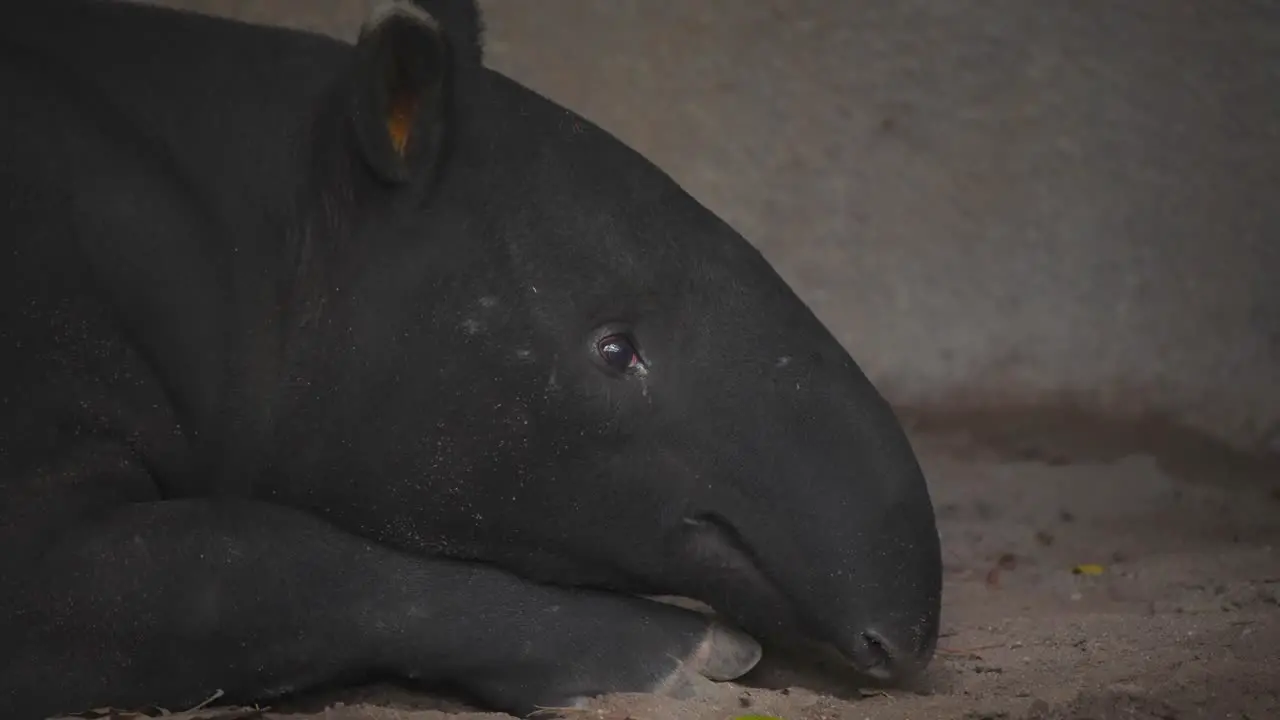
(330,361)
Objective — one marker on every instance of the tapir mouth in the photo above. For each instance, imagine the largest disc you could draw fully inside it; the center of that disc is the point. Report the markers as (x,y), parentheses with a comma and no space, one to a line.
(732,579)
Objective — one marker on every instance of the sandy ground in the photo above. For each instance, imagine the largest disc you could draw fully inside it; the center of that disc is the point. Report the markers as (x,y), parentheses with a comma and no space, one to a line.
(1183,622)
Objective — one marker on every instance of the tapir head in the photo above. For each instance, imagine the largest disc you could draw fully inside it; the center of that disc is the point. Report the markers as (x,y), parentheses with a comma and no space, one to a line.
(539,352)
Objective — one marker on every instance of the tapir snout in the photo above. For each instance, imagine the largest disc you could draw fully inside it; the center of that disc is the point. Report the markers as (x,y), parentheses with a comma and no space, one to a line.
(843,551)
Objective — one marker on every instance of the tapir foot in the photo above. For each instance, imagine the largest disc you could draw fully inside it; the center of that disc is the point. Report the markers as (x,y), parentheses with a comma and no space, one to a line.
(724,654)
(267,601)
(659,649)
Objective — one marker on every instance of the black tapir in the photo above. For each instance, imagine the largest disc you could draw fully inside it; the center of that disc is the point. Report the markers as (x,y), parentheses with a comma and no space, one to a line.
(328,361)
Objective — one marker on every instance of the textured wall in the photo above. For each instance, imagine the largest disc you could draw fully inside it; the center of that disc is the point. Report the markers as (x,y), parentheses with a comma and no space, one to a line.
(989,202)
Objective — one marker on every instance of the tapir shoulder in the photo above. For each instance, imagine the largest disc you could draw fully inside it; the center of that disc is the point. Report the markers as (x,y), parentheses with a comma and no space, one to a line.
(138,151)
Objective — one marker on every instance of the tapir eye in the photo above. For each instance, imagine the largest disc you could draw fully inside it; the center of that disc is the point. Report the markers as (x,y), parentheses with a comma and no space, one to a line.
(619,353)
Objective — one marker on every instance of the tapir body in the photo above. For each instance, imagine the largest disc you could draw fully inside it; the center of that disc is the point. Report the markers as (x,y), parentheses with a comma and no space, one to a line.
(323,362)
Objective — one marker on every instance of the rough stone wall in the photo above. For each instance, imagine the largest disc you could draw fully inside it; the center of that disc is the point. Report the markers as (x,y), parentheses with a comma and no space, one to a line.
(990,203)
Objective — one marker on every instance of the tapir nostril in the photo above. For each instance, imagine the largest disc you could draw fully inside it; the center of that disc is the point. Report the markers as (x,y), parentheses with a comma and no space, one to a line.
(878,655)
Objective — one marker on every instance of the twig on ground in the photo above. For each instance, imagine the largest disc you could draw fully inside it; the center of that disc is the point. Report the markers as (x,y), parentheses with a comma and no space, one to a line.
(216,694)
(969,652)
(597,713)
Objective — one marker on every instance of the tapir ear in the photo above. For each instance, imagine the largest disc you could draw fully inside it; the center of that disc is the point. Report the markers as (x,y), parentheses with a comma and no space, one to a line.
(398,95)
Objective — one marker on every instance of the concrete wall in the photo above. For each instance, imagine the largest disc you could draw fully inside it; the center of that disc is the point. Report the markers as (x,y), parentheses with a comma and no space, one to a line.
(999,202)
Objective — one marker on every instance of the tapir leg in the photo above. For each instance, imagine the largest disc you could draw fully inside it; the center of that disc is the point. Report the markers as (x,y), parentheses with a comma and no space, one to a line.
(166,603)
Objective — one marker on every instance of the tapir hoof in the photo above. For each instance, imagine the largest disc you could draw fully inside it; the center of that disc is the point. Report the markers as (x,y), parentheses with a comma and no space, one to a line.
(669,653)
(724,654)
